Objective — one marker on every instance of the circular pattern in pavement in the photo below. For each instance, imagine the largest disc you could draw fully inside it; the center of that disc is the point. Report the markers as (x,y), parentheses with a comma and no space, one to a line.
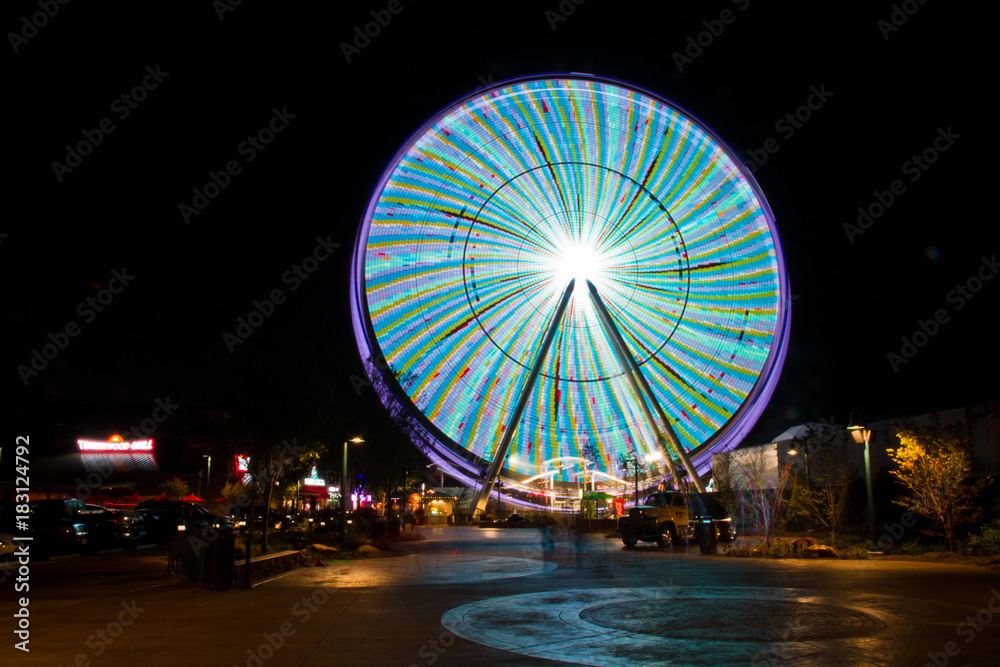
(683,625)
(740,620)
(421,569)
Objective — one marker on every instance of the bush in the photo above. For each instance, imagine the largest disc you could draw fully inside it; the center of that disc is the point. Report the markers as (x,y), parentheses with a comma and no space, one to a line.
(781,549)
(986,542)
(853,552)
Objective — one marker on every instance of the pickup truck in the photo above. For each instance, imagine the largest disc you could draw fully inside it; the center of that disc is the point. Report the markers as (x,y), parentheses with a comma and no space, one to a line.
(673,517)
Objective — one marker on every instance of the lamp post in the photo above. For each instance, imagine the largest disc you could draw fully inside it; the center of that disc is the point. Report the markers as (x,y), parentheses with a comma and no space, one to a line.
(805,455)
(343,493)
(862,435)
(208,477)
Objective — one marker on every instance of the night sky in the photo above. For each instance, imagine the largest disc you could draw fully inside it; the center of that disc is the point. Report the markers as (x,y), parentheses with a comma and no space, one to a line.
(216,75)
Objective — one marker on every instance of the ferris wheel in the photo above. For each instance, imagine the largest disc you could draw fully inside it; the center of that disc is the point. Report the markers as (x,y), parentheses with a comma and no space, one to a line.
(571,266)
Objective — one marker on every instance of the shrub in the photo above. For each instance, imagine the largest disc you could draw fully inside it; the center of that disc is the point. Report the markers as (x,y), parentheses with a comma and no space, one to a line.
(986,542)
(853,552)
(915,548)
(781,549)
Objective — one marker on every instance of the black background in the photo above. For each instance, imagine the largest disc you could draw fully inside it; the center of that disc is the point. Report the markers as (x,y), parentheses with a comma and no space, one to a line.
(162,336)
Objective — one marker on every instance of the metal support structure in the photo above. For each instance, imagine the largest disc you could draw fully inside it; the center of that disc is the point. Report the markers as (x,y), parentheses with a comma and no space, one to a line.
(634,374)
(343,494)
(868,483)
(500,455)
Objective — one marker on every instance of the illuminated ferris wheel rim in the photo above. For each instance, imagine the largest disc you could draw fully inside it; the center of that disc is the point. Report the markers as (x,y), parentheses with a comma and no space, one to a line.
(462,463)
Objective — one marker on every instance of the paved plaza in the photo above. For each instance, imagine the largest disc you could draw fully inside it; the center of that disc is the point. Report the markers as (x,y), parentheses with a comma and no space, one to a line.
(469,596)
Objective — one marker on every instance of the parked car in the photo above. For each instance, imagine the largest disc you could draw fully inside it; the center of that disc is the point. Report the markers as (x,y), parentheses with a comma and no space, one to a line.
(276,520)
(515,518)
(110,527)
(164,519)
(673,517)
(57,526)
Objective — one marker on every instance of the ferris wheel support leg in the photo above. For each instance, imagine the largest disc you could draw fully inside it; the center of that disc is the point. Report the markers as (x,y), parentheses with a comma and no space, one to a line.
(635,373)
(623,359)
(500,454)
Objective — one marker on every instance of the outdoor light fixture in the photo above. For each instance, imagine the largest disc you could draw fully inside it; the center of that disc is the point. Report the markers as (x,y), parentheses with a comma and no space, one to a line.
(343,495)
(861,436)
(208,476)
(792,451)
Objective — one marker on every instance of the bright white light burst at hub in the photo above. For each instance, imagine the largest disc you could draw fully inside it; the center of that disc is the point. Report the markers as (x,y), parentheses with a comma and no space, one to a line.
(476,228)
(578,262)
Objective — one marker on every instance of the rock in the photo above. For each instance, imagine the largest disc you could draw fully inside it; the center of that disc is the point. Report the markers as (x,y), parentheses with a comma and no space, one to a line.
(368,551)
(322,548)
(803,543)
(820,551)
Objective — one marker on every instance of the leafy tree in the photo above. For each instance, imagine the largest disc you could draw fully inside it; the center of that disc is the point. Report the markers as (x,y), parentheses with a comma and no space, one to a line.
(234,492)
(933,463)
(820,486)
(175,488)
(632,465)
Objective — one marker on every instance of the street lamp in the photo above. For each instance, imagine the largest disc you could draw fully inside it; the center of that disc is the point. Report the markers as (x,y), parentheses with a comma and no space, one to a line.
(208,477)
(343,493)
(862,435)
(792,451)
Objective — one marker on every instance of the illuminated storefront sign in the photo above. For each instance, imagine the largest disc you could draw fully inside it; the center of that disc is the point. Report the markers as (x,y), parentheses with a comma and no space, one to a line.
(116,444)
(313,480)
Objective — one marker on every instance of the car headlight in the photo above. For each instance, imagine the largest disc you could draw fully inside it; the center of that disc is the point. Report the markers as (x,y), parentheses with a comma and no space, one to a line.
(181,527)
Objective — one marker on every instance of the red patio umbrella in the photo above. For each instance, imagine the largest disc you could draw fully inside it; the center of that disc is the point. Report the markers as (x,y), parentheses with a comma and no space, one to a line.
(193,499)
(97,499)
(162,496)
(132,499)
(221,499)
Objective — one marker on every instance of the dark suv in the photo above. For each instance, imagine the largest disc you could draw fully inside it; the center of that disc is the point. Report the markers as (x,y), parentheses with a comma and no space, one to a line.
(58,526)
(164,519)
(112,528)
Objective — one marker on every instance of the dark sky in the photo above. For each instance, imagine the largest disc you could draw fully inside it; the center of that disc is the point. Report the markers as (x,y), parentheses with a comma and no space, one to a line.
(889,94)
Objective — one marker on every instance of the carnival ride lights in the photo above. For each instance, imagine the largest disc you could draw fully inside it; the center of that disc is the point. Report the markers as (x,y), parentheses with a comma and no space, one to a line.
(563,264)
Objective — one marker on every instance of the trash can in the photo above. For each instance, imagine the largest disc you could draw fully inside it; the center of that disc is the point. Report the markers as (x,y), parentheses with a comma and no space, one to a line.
(707,536)
(220,562)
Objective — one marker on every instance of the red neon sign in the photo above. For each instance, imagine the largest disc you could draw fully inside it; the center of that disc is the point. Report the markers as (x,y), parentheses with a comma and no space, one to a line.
(97,446)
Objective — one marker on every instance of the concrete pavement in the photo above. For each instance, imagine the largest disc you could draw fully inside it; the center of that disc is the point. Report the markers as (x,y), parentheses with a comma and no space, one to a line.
(470,596)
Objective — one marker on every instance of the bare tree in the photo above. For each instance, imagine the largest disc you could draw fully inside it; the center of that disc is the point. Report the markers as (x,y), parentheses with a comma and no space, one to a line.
(761,492)
(820,485)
